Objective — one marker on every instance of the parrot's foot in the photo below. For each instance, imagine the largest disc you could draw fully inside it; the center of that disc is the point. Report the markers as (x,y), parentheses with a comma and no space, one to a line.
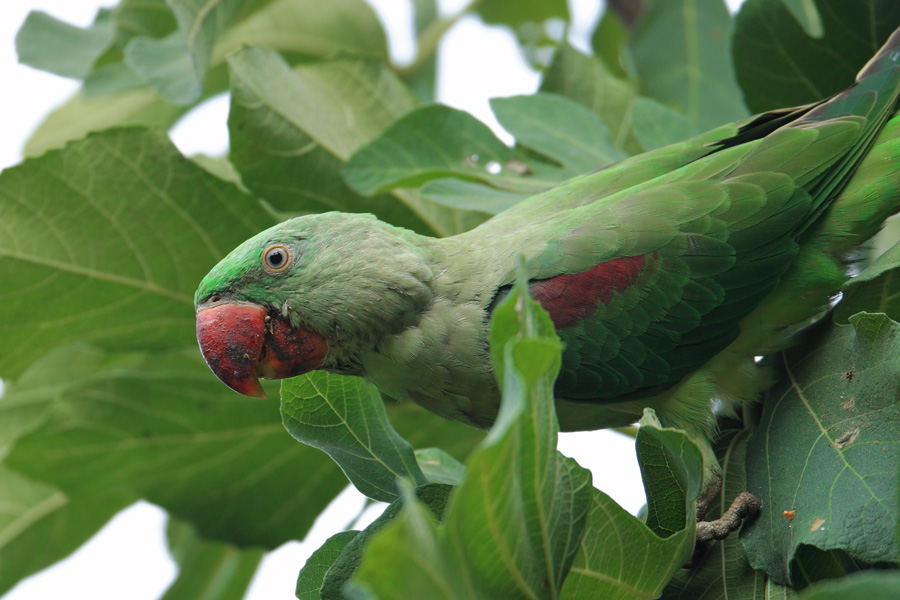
(745,505)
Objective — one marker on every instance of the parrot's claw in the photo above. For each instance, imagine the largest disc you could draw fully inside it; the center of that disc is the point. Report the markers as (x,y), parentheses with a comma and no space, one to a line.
(745,505)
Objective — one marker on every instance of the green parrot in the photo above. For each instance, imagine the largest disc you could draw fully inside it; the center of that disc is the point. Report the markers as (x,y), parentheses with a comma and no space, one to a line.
(665,274)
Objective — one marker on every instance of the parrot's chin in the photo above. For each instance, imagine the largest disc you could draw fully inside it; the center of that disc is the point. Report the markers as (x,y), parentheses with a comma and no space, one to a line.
(242,342)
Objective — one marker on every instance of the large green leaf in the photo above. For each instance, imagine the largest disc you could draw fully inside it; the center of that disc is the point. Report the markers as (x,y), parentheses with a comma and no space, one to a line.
(724,573)
(524,11)
(559,129)
(669,461)
(312,575)
(41,524)
(308,27)
(291,131)
(175,66)
(556,128)
(208,570)
(80,115)
(471,196)
(656,125)
(586,80)
(778,64)
(828,448)
(860,586)
(114,94)
(341,105)
(680,49)
(877,289)
(106,241)
(433,497)
(345,417)
(608,41)
(434,142)
(423,429)
(422,79)
(167,66)
(161,427)
(439,467)
(807,14)
(622,557)
(514,524)
(148,18)
(47,43)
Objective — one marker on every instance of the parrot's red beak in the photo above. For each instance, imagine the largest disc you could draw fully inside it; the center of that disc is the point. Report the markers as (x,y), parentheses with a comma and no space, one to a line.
(241,343)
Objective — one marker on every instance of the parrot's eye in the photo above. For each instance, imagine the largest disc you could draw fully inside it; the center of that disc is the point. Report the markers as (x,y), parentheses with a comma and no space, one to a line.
(276,258)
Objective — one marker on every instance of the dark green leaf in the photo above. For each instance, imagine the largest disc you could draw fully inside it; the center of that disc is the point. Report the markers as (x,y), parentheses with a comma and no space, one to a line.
(423,79)
(175,66)
(586,80)
(81,115)
(125,254)
(208,570)
(430,143)
(219,166)
(345,417)
(299,28)
(109,80)
(724,573)
(424,429)
(607,42)
(202,21)
(871,585)
(619,558)
(167,66)
(163,428)
(524,11)
(778,64)
(656,125)
(341,105)
(827,447)
(681,52)
(513,526)
(40,524)
(308,28)
(559,129)
(876,290)
(46,43)
(623,558)
(147,18)
(669,461)
(807,14)
(440,467)
(312,575)
(408,562)
(291,131)
(433,497)
(467,195)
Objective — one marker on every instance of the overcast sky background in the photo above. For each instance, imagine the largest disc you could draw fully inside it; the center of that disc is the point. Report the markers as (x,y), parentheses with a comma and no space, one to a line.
(129,558)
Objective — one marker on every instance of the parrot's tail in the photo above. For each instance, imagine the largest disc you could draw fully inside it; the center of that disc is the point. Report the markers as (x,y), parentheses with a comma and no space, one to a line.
(852,202)
(872,193)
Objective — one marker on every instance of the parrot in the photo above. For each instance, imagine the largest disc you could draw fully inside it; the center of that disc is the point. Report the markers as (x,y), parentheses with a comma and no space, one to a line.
(665,274)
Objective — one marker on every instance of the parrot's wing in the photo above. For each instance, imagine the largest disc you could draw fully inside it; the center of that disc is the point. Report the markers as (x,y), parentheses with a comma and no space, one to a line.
(648,283)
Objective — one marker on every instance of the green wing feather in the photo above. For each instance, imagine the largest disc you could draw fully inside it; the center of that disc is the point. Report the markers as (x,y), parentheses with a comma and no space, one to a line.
(738,224)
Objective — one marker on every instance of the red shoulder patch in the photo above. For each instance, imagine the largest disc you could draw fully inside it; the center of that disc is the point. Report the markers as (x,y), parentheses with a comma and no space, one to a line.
(571,298)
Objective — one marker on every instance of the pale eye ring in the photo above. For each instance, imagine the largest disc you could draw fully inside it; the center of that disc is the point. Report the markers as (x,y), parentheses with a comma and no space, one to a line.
(277,258)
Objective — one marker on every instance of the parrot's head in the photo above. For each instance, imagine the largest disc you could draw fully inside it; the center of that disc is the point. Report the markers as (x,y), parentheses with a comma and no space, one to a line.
(312,292)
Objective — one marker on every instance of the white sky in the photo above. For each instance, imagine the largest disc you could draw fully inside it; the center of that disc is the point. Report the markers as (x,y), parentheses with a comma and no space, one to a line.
(128,558)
